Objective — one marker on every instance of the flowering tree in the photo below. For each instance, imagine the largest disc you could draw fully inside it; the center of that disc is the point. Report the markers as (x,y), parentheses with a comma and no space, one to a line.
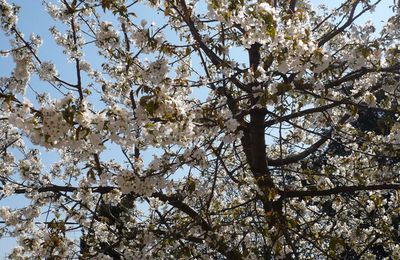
(294,153)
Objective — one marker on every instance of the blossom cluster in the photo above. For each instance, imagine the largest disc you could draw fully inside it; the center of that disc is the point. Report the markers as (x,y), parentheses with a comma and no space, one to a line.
(8,15)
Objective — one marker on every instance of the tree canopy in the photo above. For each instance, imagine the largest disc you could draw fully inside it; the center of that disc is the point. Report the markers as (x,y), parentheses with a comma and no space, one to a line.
(228,129)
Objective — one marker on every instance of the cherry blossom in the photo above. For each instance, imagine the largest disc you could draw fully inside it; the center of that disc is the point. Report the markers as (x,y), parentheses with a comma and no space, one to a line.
(206,130)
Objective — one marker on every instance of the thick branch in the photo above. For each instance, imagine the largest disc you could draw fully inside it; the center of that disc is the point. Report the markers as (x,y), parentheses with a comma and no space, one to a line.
(56,188)
(301,113)
(300,156)
(292,6)
(352,17)
(337,190)
(219,244)
(177,203)
(217,61)
(77,62)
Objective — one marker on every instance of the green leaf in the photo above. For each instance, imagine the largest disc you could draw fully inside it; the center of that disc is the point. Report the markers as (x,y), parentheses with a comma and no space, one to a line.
(191,184)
